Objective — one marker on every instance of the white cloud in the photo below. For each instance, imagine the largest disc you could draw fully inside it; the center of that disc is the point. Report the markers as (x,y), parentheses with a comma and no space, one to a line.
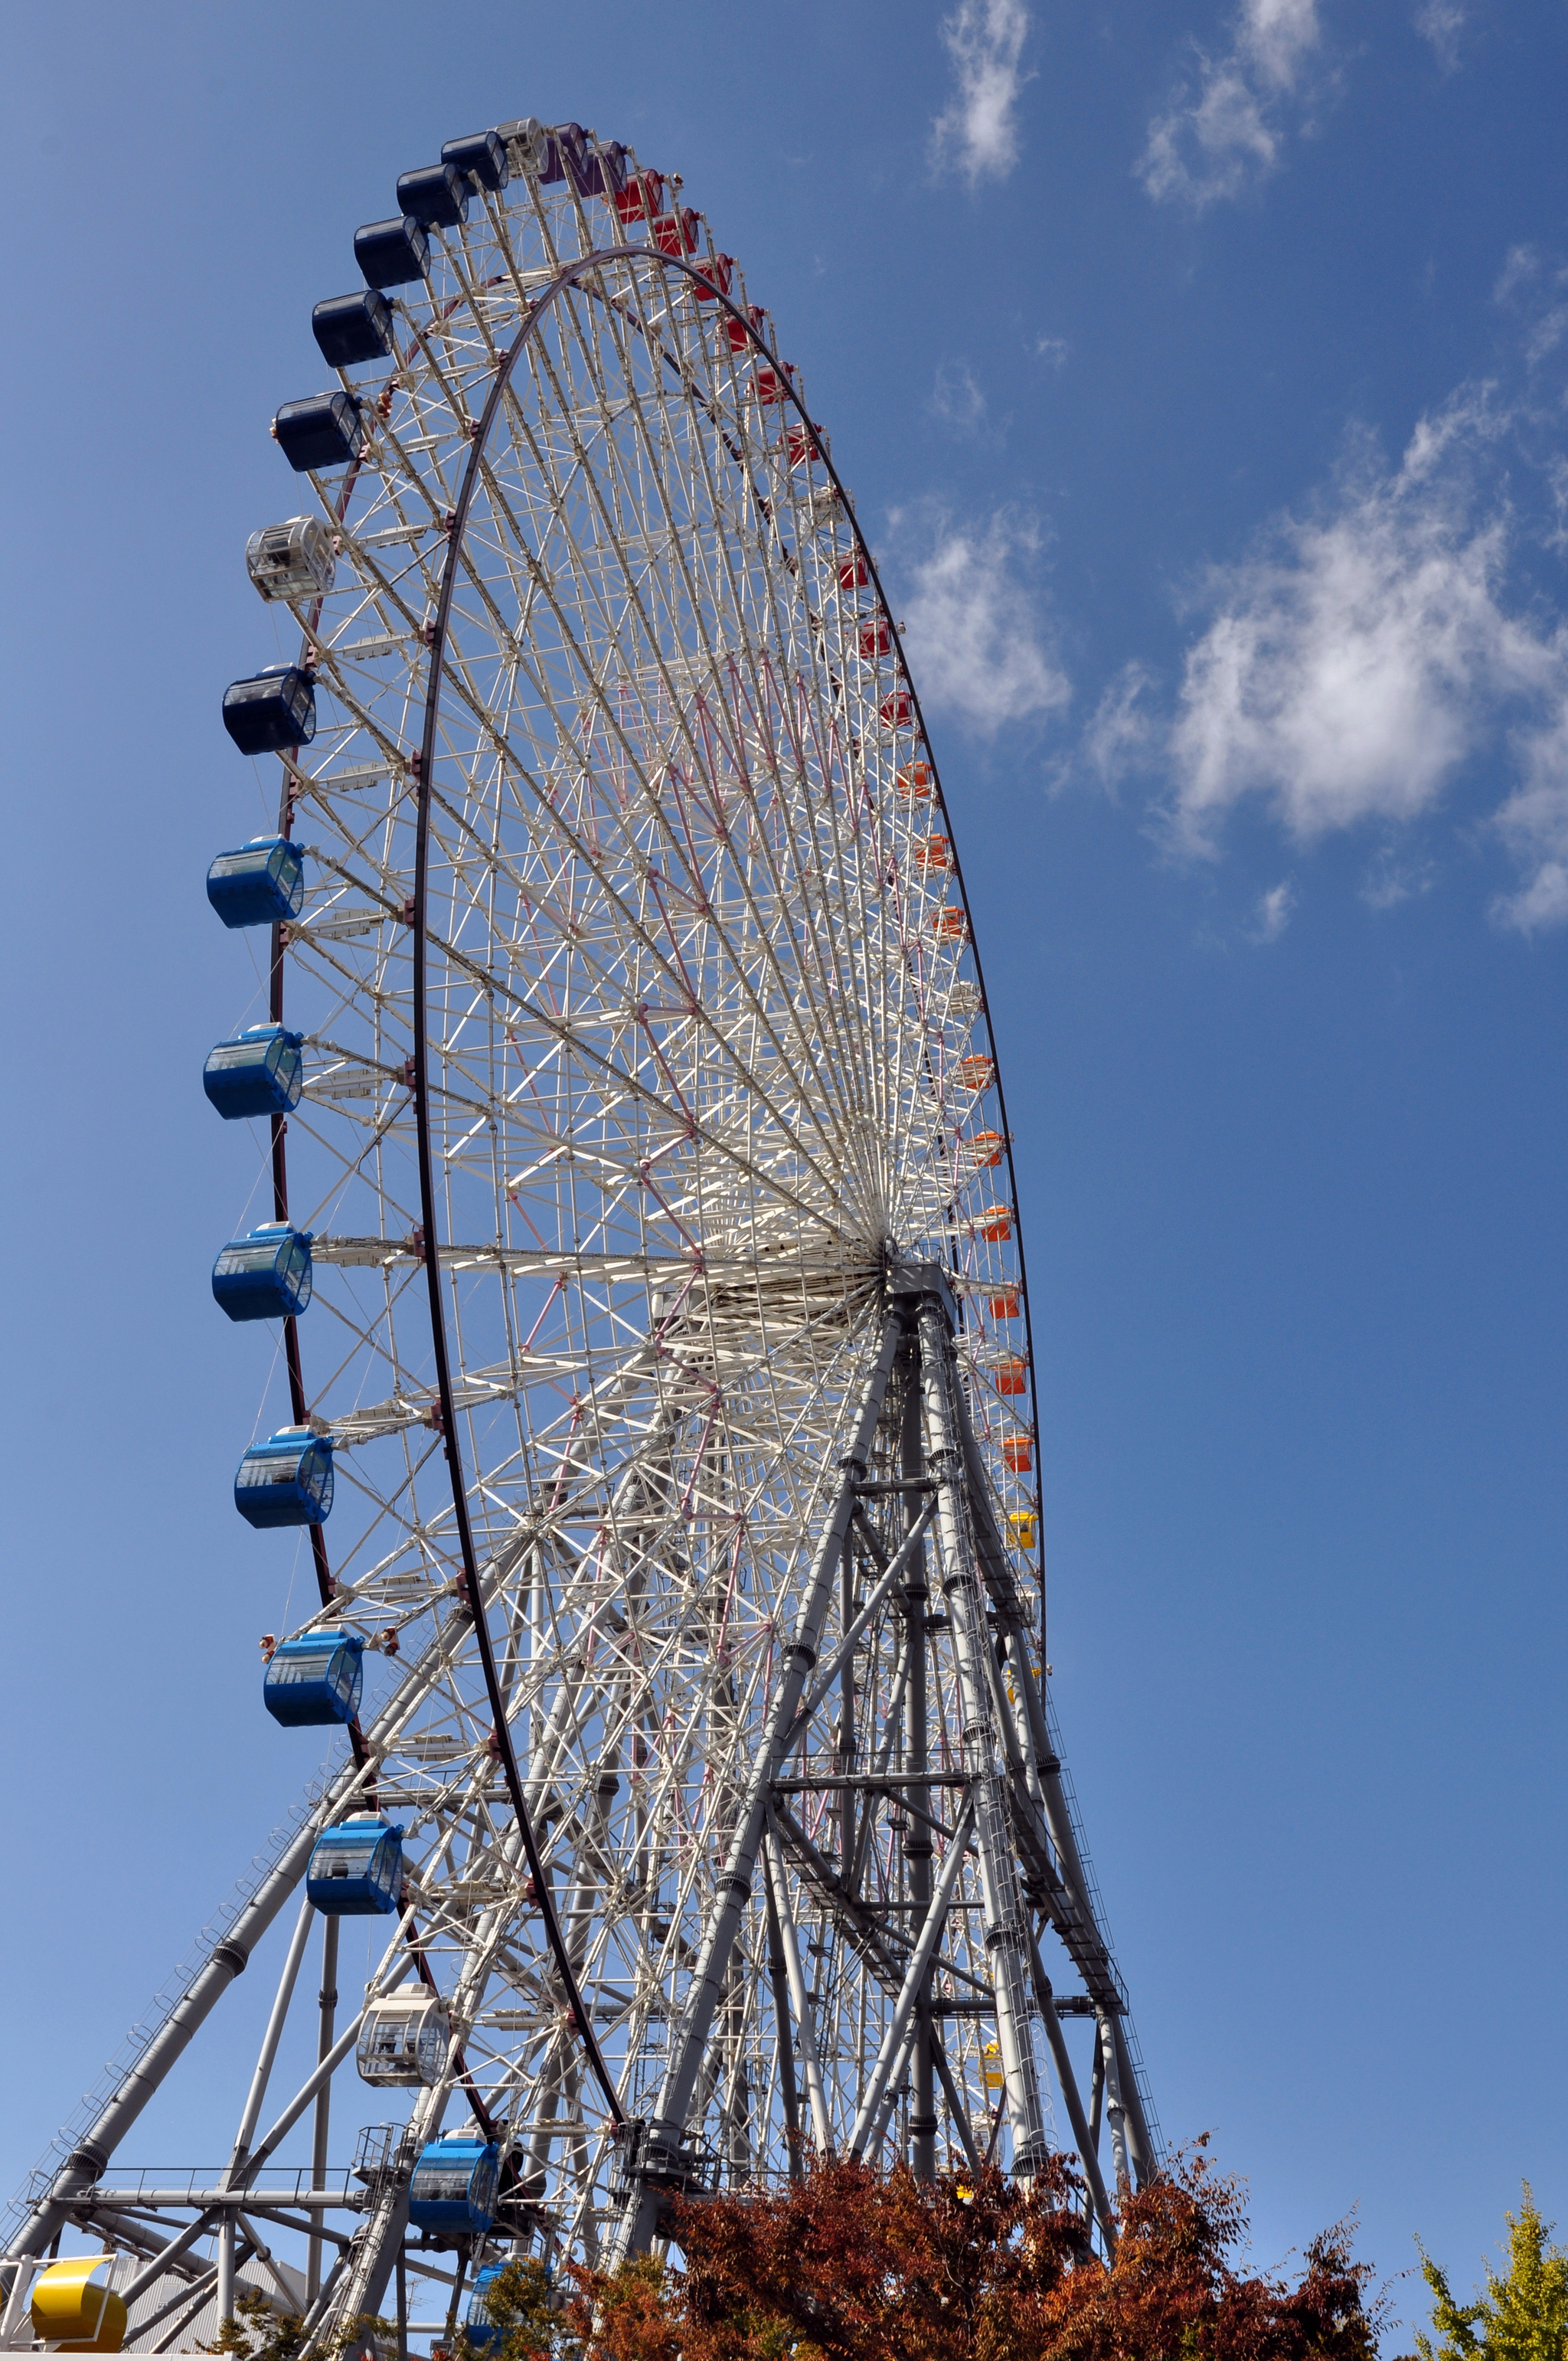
(1441,22)
(1352,666)
(1272,913)
(1533,823)
(1521,265)
(1349,672)
(1223,132)
(976,641)
(1052,350)
(978,130)
(1120,734)
(957,398)
(1391,879)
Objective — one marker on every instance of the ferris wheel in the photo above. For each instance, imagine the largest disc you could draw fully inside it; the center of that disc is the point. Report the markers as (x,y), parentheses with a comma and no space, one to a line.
(641,1238)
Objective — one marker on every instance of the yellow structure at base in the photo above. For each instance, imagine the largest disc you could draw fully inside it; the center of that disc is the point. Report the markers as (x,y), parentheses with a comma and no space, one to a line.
(70,2313)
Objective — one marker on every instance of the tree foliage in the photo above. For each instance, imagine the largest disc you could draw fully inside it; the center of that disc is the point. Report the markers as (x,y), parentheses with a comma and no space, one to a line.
(1523,2314)
(851,2265)
(256,2330)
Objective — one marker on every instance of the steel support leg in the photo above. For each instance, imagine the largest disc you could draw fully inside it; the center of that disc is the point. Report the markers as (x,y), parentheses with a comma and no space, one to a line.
(663,2133)
(778,1977)
(1115,2112)
(811,2063)
(324,2096)
(918,1836)
(1006,1933)
(1068,2080)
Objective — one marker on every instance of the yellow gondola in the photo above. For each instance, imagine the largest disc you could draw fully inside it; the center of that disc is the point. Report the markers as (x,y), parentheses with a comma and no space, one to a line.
(72,2314)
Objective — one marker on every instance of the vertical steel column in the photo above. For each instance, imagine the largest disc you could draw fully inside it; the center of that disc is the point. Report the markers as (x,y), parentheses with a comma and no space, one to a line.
(846,1848)
(324,2096)
(789,1943)
(1115,2113)
(778,1978)
(1138,2140)
(663,2134)
(270,2039)
(917,1834)
(1006,1935)
(1068,2081)
(225,2268)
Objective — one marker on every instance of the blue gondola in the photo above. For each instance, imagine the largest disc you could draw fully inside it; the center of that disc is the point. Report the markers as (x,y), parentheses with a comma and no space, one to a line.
(315,1678)
(392,253)
(265,1275)
(453,2185)
(324,429)
(271,709)
(352,328)
(287,1480)
(482,153)
(437,197)
(258,884)
(356,1870)
(479,2328)
(258,1072)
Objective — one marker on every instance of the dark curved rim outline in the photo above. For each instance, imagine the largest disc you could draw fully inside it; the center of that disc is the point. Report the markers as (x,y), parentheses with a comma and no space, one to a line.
(469,1586)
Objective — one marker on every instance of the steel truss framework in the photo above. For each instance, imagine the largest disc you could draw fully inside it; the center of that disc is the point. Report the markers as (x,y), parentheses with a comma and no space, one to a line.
(670,1322)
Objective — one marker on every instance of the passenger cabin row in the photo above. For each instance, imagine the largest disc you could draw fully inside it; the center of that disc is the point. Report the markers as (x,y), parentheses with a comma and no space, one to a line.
(74,2307)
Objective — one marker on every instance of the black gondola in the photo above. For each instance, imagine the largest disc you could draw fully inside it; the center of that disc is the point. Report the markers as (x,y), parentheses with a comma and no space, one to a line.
(481,153)
(353,328)
(392,253)
(273,708)
(434,196)
(324,429)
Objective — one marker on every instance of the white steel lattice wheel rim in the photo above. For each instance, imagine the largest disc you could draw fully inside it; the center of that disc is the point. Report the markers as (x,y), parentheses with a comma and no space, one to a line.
(645,1050)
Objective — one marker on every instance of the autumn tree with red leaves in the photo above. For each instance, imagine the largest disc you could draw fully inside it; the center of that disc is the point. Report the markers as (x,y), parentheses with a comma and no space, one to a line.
(851,2265)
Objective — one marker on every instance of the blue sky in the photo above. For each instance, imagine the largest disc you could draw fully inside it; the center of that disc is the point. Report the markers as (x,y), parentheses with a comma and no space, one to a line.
(1199,373)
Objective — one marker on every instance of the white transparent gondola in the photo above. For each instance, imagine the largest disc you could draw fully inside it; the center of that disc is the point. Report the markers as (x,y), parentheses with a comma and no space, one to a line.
(403,2041)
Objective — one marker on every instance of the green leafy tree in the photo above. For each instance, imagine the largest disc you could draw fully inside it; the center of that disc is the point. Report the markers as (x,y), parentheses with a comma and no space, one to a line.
(1523,2314)
(255,2330)
(528,2315)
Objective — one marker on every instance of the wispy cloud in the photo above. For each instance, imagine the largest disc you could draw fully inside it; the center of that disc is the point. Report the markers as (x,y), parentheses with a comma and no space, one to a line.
(977,643)
(1533,824)
(1393,877)
(1121,733)
(957,398)
(1537,292)
(1271,914)
(1223,129)
(1441,22)
(977,132)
